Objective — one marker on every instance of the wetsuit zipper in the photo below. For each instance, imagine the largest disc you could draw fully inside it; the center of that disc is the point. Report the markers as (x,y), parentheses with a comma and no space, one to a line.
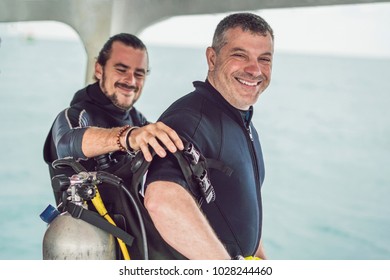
(249,129)
(255,170)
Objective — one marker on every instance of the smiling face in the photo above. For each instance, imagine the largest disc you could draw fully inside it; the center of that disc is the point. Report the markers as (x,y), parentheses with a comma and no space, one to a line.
(123,76)
(241,70)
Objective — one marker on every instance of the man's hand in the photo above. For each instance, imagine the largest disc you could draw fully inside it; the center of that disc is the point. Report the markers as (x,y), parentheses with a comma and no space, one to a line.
(157,135)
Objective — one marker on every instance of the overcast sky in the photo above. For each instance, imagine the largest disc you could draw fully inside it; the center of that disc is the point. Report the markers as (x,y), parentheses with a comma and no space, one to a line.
(349,29)
(346,30)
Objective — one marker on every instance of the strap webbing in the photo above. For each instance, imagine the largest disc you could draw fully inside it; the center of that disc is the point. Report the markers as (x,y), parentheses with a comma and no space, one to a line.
(95,219)
(219,165)
(194,171)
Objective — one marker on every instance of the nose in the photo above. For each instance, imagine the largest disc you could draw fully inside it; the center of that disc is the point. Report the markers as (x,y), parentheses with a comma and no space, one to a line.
(253,68)
(130,78)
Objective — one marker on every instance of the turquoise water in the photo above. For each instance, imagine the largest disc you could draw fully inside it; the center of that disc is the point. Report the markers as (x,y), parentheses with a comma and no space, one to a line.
(324,124)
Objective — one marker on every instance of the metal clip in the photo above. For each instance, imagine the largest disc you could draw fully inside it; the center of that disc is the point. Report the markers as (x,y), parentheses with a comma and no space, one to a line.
(206,187)
(191,153)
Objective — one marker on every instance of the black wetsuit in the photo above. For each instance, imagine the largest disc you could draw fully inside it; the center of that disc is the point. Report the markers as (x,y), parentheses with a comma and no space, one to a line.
(89,107)
(224,133)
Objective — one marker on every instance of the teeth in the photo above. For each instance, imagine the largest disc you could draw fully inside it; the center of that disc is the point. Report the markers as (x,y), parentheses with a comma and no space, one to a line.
(247,83)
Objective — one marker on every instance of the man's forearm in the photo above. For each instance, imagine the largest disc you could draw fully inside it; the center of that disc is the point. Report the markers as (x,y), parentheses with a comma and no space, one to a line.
(181,223)
(99,141)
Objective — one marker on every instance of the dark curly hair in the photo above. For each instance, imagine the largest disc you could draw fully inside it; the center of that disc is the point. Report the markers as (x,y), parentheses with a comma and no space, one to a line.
(125,38)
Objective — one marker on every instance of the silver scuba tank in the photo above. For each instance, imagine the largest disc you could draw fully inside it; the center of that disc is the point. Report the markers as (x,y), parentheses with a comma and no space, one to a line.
(69,238)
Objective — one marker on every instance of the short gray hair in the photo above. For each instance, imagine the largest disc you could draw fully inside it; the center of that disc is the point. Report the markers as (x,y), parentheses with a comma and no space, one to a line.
(247,21)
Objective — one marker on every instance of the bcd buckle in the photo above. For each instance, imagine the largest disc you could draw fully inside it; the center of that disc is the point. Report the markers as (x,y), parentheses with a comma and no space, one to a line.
(191,153)
(206,188)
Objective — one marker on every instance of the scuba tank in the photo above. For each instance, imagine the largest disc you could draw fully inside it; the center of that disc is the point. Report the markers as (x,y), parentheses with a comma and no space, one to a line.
(80,233)
(72,238)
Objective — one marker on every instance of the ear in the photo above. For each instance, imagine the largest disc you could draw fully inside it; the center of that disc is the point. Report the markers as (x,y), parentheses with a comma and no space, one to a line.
(211,56)
(98,71)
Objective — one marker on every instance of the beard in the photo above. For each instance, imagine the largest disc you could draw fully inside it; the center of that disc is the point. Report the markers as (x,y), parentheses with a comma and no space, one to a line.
(114,97)
(114,100)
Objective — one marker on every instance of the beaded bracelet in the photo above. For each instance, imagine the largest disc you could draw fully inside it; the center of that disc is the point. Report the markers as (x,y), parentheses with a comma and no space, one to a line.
(118,138)
(129,149)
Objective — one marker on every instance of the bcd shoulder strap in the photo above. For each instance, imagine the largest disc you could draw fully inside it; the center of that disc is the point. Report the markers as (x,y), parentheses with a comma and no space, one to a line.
(194,167)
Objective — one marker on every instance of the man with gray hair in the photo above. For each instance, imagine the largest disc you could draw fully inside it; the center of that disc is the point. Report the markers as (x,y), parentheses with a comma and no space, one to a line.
(216,118)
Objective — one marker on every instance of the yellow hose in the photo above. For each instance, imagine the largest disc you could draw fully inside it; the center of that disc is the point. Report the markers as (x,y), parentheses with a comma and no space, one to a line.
(99,205)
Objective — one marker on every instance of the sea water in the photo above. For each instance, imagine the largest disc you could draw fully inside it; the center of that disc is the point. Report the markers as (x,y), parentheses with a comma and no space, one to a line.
(324,124)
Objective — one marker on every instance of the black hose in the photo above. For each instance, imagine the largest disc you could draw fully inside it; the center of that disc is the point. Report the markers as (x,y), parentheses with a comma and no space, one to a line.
(141,222)
(118,182)
(62,162)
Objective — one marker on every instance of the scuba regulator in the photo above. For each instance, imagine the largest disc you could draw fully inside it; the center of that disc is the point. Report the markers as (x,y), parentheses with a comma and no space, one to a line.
(81,188)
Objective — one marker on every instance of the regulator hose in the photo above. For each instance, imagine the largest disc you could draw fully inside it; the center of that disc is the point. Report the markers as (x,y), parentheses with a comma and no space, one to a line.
(116,181)
(99,205)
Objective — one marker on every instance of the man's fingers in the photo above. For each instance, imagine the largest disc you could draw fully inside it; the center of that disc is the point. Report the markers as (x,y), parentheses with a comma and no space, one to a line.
(145,151)
(159,136)
(160,151)
(169,138)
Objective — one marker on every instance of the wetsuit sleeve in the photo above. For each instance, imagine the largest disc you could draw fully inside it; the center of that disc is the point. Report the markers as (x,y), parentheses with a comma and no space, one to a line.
(168,168)
(165,169)
(68,131)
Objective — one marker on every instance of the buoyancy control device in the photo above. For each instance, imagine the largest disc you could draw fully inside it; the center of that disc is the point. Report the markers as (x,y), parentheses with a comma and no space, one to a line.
(109,206)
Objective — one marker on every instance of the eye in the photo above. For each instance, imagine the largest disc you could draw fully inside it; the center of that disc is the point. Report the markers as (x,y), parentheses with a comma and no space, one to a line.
(139,75)
(121,70)
(238,55)
(266,60)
